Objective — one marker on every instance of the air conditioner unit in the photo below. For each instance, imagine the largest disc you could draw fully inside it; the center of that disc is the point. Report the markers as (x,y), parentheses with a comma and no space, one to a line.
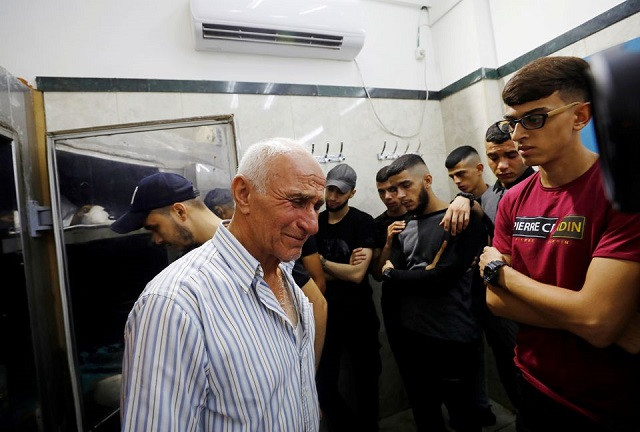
(327,29)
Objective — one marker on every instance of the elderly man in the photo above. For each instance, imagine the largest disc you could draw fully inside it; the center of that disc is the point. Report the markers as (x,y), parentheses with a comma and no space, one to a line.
(223,338)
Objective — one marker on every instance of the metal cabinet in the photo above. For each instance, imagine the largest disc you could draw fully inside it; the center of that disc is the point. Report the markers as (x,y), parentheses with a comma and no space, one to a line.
(69,282)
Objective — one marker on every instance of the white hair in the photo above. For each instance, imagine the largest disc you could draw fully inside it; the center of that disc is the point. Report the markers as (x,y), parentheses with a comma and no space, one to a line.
(255,164)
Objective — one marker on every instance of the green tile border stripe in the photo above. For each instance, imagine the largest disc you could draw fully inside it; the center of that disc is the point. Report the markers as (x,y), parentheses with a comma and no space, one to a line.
(58,84)
(602,21)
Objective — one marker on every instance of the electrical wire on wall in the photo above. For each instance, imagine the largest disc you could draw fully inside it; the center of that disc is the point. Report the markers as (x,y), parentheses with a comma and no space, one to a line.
(424,74)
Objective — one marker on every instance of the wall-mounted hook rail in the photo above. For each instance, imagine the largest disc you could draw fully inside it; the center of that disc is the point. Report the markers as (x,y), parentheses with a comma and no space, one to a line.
(329,158)
(319,158)
(388,156)
(395,155)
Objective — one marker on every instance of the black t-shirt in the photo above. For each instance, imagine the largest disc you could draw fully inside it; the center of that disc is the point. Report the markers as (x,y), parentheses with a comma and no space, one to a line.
(382,222)
(337,241)
(300,274)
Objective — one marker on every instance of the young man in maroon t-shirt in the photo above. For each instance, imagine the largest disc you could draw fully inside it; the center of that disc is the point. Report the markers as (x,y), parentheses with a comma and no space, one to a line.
(564,263)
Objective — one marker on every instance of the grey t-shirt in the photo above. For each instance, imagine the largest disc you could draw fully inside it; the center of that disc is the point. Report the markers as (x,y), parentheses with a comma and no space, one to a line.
(489,202)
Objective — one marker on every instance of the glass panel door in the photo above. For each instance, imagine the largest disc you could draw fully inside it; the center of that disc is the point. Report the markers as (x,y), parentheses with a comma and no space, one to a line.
(18,391)
(93,175)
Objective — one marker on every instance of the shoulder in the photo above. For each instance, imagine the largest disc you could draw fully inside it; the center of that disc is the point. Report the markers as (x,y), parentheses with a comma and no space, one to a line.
(360,215)
(382,217)
(182,277)
(309,247)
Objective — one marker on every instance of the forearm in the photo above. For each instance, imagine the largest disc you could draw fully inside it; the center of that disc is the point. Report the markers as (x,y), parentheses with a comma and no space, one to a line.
(346,272)
(354,273)
(378,262)
(319,304)
(313,265)
(597,315)
(502,303)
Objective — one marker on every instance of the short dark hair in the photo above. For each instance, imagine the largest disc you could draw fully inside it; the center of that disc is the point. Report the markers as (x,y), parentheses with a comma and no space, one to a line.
(544,76)
(495,135)
(382,175)
(458,155)
(403,163)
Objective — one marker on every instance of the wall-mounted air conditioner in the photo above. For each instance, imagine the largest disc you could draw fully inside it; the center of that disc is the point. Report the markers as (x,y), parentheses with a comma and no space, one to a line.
(328,29)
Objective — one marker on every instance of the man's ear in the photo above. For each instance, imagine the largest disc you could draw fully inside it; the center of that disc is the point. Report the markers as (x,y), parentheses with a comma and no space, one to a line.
(582,116)
(181,210)
(427,180)
(241,190)
(480,167)
(353,192)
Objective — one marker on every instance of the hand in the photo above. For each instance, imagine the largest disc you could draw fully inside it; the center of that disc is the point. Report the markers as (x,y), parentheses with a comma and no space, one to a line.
(437,257)
(457,216)
(395,228)
(489,254)
(357,256)
(387,265)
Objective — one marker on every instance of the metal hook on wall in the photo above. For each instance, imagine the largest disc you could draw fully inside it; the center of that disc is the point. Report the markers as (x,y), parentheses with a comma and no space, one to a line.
(388,156)
(326,158)
(335,157)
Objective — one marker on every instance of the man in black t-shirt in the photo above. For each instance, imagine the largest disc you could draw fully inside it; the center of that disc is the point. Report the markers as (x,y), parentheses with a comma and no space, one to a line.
(352,325)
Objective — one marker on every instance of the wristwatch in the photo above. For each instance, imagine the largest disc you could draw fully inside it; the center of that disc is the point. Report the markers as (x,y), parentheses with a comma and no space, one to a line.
(386,274)
(468,196)
(323,260)
(490,273)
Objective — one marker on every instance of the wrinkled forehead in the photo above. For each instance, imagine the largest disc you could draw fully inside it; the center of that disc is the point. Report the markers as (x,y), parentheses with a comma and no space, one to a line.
(299,169)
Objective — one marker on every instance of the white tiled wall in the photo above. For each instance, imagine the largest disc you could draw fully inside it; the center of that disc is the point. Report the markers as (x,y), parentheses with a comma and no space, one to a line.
(317,120)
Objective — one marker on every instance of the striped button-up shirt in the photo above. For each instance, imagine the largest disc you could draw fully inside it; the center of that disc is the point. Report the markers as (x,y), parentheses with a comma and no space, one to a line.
(209,348)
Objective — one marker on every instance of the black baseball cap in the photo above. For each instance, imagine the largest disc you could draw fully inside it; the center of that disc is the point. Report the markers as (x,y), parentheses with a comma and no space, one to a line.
(155,191)
(343,177)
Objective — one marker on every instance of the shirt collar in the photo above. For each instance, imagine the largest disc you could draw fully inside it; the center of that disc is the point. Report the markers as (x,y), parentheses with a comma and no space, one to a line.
(246,268)
(244,265)
(497,187)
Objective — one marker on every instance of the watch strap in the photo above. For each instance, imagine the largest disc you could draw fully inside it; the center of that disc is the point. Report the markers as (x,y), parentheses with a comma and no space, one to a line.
(490,271)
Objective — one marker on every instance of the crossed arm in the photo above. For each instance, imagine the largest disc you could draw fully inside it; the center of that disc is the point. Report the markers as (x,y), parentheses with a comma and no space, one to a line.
(603,311)
(349,272)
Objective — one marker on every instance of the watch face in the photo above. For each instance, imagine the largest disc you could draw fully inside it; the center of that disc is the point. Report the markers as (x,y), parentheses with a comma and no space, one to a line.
(491,271)
(488,273)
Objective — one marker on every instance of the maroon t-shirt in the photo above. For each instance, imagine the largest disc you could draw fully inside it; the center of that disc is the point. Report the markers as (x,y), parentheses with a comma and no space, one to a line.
(552,234)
